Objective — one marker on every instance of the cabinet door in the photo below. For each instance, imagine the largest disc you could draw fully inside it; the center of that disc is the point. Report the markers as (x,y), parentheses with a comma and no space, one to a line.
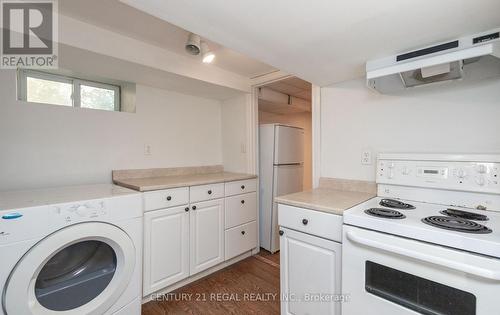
(310,268)
(166,248)
(206,235)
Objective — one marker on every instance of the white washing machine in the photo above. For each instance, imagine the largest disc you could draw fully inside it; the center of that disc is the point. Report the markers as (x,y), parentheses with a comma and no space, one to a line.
(72,250)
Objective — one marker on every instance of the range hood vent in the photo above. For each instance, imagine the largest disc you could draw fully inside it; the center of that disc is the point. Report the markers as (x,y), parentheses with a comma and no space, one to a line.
(474,57)
(427,51)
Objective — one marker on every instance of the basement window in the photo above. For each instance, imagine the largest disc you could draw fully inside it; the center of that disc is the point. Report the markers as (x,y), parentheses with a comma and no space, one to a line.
(55,89)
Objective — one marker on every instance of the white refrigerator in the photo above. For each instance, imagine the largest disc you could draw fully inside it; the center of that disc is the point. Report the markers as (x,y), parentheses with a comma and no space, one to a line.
(281,167)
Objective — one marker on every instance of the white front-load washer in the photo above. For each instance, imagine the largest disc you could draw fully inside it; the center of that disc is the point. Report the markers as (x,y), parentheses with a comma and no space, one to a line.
(72,250)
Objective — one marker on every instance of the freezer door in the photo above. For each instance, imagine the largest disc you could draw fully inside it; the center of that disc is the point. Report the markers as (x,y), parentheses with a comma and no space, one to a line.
(288,179)
(289,145)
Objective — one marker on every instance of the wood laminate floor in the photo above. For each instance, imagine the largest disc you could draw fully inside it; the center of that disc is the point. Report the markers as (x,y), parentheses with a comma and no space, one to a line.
(250,286)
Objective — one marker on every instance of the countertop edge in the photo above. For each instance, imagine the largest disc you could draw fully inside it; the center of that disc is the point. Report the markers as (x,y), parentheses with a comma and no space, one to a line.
(324,208)
(331,210)
(188,183)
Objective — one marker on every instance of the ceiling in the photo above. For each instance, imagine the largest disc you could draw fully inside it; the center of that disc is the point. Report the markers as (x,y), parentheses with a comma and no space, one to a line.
(326,41)
(291,86)
(120,18)
(79,62)
(294,87)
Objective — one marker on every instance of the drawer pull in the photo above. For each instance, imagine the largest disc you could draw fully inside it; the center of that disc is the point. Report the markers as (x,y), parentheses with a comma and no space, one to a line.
(186,209)
(243,202)
(305,221)
(242,232)
(209,192)
(194,208)
(242,186)
(281,233)
(169,198)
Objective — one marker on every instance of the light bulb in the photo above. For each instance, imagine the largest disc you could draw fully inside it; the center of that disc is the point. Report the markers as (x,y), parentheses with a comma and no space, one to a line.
(208,57)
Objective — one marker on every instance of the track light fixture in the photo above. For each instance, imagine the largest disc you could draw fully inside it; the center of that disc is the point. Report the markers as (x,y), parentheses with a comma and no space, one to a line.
(195,46)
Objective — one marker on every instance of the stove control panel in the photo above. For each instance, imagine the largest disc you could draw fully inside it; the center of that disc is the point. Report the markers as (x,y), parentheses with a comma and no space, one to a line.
(463,175)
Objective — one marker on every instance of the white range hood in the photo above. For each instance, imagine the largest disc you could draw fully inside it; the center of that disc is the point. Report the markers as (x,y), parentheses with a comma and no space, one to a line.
(475,57)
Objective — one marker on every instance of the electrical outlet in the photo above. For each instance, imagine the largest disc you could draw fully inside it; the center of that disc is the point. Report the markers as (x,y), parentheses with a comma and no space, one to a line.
(147,149)
(366,157)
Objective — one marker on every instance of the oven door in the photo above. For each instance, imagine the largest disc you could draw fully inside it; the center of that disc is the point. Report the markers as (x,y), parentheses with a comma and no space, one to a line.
(386,274)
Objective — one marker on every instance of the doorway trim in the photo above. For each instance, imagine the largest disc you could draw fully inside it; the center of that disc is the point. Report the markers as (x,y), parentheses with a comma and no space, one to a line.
(316,135)
(252,115)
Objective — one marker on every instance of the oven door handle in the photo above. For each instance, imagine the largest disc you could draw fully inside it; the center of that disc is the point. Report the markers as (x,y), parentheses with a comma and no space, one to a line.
(477,271)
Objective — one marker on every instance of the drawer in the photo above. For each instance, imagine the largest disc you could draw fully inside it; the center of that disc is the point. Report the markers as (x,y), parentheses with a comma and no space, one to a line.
(240,209)
(313,222)
(166,198)
(241,187)
(206,192)
(241,239)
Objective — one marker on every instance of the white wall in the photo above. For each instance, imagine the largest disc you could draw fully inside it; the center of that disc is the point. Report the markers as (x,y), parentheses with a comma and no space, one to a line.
(234,133)
(47,145)
(302,120)
(458,117)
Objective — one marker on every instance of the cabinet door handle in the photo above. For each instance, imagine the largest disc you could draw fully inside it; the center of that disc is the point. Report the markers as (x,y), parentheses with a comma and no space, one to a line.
(169,198)
(281,233)
(186,209)
(242,186)
(242,232)
(194,208)
(305,221)
(243,202)
(209,192)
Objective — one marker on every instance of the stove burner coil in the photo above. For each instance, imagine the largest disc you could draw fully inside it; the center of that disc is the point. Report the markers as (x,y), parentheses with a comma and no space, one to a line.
(385,213)
(396,204)
(456,224)
(464,215)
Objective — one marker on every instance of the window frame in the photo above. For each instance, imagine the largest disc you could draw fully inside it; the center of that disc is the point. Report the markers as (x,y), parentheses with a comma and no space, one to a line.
(24,74)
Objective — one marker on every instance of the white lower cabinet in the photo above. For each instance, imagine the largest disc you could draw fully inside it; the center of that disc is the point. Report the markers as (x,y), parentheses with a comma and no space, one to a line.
(206,235)
(184,240)
(166,248)
(310,274)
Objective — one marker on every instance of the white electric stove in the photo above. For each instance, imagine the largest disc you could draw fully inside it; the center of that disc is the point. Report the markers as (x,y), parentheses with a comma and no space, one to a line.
(429,243)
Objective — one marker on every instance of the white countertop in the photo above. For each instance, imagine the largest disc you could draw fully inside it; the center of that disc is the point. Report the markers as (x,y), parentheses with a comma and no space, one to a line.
(326,199)
(39,197)
(166,182)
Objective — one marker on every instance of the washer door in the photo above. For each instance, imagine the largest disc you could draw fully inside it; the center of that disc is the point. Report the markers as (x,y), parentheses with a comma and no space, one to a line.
(81,269)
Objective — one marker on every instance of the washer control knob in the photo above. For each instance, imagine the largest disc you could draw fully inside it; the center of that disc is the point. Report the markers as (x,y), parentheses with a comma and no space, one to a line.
(480,181)
(81,211)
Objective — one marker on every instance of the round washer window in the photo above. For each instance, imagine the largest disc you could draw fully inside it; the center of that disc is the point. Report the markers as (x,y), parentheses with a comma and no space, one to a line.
(75,275)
